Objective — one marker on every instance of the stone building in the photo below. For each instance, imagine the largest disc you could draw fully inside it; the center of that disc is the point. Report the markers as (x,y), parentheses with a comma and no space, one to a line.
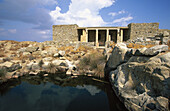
(100,35)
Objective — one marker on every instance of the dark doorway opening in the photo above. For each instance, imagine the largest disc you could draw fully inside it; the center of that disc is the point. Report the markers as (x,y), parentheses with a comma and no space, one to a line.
(102,37)
(126,35)
(113,34)
(91,35)
(80,32)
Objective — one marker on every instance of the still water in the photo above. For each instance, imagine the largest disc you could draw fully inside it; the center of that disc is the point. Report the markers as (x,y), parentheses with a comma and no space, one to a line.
(57,93)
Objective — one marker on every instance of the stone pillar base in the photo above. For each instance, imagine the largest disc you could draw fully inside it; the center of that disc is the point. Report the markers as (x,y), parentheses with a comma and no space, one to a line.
(97,44)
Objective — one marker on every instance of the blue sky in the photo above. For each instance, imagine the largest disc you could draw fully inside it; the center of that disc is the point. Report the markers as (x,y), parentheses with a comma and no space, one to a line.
(32,20)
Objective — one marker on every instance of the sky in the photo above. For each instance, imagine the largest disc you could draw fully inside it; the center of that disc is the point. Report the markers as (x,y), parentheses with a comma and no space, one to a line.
(32,20)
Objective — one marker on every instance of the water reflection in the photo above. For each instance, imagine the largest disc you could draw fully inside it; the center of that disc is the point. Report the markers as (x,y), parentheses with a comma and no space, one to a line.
(56,94)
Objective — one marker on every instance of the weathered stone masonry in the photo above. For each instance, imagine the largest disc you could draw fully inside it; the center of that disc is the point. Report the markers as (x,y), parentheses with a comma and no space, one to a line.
(99,35)
(64,33)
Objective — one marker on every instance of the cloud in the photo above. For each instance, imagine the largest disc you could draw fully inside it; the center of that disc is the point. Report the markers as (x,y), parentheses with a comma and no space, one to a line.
(12,30)
(116,13)
(123,21)
(27,11)
(122,18)
(45,34)
(82,12)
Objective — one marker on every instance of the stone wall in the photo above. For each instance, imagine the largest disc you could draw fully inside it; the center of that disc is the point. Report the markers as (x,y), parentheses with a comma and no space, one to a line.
(143,30)
(65,33)
(162,30)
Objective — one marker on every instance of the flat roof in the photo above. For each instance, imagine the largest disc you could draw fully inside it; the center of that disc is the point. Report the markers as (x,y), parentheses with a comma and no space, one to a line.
(102,27)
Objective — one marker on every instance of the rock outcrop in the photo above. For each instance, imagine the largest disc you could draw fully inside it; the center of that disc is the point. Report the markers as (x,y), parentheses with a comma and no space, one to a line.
(141,78)
(21,58)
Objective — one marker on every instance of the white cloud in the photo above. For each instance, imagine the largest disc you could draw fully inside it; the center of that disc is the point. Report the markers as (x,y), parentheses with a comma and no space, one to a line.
(117,13)
(45,34)
(12,30)
(123,19)
(82,12)
(121,12)
(91,89)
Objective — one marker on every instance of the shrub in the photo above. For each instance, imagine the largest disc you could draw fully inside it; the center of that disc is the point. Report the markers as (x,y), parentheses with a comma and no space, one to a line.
(94,62)
(136,46)
(168,43)
(2,73)
(7,59)
(51,68)
(2,55)
(31,57)
(41,63)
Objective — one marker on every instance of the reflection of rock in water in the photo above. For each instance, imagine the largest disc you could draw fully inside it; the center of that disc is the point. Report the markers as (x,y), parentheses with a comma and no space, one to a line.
(6,86)
(91,89)
(114,102)
(62,91)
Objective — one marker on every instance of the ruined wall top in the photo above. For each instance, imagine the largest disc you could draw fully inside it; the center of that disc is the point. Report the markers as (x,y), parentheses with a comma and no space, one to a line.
(65,33)
(143,30)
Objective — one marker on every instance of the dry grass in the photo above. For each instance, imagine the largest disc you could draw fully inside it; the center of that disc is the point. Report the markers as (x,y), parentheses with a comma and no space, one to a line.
(2,54)
(112,45)
(15,48)
(10,41)
(2,73)
(168,43)
(136,46)
(94,62)
(71,49)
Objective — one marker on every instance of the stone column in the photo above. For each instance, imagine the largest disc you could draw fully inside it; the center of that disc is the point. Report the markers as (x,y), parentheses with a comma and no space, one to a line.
(86,35)
(107,35)
(97,35)
(121,35)
(118,38)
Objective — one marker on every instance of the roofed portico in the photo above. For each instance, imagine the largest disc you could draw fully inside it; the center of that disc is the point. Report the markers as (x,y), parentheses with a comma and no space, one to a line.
(99,35)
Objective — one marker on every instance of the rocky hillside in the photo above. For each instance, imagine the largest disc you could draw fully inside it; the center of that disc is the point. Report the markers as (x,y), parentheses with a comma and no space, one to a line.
(22,58)
(140,77)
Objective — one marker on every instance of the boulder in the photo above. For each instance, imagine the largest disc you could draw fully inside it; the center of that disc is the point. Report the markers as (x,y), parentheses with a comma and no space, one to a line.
(56,55)
(70,65)
(33,73)
(48,59)
(142,83)
(120,54)
(14,67)
(44,53)
(1,60)
(139,52)
(26,53)
(57,62)
(165,34)
(33,66)
(155,50)
(61,53)
(6,64)
(69,72)
(28,49)
(45,64)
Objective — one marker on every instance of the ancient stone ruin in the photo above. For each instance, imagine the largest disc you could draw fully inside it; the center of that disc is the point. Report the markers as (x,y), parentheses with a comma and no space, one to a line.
(98,36)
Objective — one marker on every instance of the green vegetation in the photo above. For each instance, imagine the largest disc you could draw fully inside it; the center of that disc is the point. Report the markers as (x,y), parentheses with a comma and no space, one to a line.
(41,63)
(51,68)
(2,73)
(93,62)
